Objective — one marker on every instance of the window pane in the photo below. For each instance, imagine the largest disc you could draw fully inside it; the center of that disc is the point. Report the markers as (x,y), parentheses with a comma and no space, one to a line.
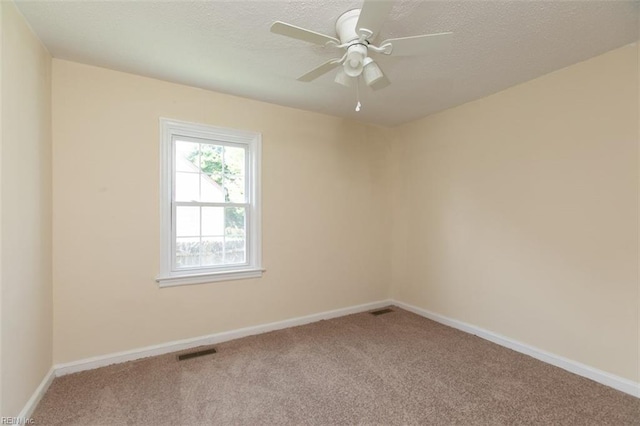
(234,172)
(234,221)
(187,187)
(187,221)
(234,250)
(187,156)
(187,252)
(235,188)
(211,159)
(234,160)
(212,251)
(212,221)
(210,190)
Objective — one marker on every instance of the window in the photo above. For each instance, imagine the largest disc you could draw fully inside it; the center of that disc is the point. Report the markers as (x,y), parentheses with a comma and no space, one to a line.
(210,210)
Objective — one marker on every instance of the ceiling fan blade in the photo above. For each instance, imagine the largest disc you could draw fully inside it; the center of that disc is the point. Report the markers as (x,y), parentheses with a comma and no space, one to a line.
(319,71)
(381,83)
(299,33)
(372,16)
(419,45)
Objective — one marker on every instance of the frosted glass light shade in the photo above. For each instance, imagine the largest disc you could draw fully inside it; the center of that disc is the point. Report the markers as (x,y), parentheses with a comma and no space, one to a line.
(343,79)
(356,56)
(371,72)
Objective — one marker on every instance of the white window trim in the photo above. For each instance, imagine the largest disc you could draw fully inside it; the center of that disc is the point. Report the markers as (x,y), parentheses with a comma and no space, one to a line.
(169,277)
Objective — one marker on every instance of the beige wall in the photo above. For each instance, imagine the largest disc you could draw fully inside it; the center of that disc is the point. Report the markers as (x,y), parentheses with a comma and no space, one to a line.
(25,193)
(518,213)
(1,320)
(325,214)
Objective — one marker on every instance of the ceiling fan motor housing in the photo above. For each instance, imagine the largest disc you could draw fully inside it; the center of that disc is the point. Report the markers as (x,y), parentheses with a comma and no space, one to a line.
(346,26)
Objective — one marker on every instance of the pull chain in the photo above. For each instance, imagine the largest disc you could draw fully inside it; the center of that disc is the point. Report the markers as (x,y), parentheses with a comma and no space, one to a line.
(358,105)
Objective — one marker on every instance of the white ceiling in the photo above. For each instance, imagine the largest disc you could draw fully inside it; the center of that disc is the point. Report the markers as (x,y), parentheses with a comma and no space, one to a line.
(226,46)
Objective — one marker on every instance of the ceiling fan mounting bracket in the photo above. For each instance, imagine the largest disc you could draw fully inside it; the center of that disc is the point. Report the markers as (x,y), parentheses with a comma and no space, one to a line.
(386,48)
(365,34)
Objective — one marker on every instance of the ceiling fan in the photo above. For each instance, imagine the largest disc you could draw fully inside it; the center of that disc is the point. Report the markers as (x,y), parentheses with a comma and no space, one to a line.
(356,32)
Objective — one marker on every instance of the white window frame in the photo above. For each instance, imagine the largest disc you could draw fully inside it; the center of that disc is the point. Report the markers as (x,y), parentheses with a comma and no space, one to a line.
(171,276)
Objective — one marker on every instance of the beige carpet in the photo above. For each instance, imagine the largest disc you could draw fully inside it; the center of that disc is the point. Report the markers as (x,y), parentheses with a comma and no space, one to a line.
(396,368)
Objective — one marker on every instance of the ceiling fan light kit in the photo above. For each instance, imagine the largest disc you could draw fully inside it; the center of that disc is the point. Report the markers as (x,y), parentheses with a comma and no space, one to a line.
(343,79)
(371,72)
(356,32)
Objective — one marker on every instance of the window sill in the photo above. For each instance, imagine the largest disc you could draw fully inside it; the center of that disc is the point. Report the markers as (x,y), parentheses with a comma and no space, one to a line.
(176,280)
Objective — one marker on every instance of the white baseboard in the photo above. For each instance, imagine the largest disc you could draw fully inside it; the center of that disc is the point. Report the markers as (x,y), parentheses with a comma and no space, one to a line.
(212,339)
(608,379)
(616,382)
(32,403)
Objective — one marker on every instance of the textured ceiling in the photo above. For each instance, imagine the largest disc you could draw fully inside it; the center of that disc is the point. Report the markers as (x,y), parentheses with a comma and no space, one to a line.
(227,47)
